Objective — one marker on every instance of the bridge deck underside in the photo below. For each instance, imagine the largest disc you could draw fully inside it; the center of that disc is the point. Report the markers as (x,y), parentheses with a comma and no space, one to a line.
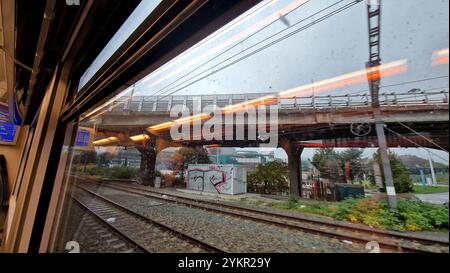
(330,125)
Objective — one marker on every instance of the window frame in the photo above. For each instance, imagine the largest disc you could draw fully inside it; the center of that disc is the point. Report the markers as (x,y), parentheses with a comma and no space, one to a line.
(99,88)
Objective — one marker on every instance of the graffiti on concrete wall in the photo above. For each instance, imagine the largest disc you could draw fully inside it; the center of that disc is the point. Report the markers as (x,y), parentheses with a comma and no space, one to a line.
(210,179)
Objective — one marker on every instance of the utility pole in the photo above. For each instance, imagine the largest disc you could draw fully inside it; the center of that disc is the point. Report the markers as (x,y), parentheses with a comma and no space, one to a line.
(433,174)
(374,77)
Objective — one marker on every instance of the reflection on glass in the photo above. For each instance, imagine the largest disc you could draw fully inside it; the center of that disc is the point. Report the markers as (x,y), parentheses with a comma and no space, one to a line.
(273,115)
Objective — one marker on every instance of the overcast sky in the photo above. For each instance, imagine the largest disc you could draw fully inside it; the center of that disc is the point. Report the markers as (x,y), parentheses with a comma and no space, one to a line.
(411,29)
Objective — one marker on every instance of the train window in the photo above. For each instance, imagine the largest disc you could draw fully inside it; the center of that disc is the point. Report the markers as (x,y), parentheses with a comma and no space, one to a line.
(141,12)
(288,123)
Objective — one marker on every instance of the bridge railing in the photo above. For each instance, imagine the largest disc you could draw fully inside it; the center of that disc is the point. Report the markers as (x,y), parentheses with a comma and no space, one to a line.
(359,100)
(164,104)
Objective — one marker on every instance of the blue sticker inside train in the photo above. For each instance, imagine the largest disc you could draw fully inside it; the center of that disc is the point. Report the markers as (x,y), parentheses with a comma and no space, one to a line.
(8,131)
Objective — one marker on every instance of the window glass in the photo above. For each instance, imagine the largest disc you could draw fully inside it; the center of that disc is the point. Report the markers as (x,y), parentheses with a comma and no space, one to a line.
(142,11)
(292,119)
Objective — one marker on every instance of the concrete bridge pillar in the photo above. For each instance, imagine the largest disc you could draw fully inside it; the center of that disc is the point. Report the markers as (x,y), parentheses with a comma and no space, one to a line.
(294,164)
(148,162)
(149,151)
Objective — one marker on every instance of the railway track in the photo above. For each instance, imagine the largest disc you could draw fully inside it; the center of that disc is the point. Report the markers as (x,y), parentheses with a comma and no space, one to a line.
(114,240)
(145,233)
(387,240)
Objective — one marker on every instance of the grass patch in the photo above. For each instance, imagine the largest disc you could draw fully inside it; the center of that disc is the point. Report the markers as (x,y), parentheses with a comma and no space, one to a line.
(412,215)
(429,189)
(258,202)
(314,207)
(116,172)
(442,179)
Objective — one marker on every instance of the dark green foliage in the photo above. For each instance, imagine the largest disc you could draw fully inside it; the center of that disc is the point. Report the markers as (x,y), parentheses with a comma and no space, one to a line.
(269,178)
(326,161)
(412,215)
(402,181)
(423,216)
(116,172)
(354,158)
(119,172)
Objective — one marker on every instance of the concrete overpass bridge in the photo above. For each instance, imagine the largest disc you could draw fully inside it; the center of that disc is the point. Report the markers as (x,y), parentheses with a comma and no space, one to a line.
(414,119)
(300,119)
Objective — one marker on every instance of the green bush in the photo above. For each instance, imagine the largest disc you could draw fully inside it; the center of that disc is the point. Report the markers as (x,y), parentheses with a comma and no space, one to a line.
(423,216)
(96,171)
(412,215)
(119,172)
(367,211)
(269,178)
(344,208)
(116,172)
(367,184)
(293,202)
(402,180)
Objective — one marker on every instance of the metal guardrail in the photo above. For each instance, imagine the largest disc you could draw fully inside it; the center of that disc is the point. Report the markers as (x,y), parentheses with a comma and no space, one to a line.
(360,100)
(164,104)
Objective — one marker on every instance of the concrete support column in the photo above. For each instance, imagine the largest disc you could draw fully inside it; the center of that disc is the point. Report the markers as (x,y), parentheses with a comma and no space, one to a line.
(148,162)
(149,151)
(294,164)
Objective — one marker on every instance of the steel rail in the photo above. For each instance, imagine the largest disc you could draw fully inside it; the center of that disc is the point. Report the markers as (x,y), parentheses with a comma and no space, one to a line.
(116,230)
(219,207)
(175,232)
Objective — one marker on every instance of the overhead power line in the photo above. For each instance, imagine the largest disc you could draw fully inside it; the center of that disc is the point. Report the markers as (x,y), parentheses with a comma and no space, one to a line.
(422,136)
(407,82)
(415,143)
(213,36)
(175,88)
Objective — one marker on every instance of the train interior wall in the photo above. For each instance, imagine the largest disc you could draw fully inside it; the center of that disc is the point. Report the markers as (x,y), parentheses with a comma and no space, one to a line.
(12,155)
